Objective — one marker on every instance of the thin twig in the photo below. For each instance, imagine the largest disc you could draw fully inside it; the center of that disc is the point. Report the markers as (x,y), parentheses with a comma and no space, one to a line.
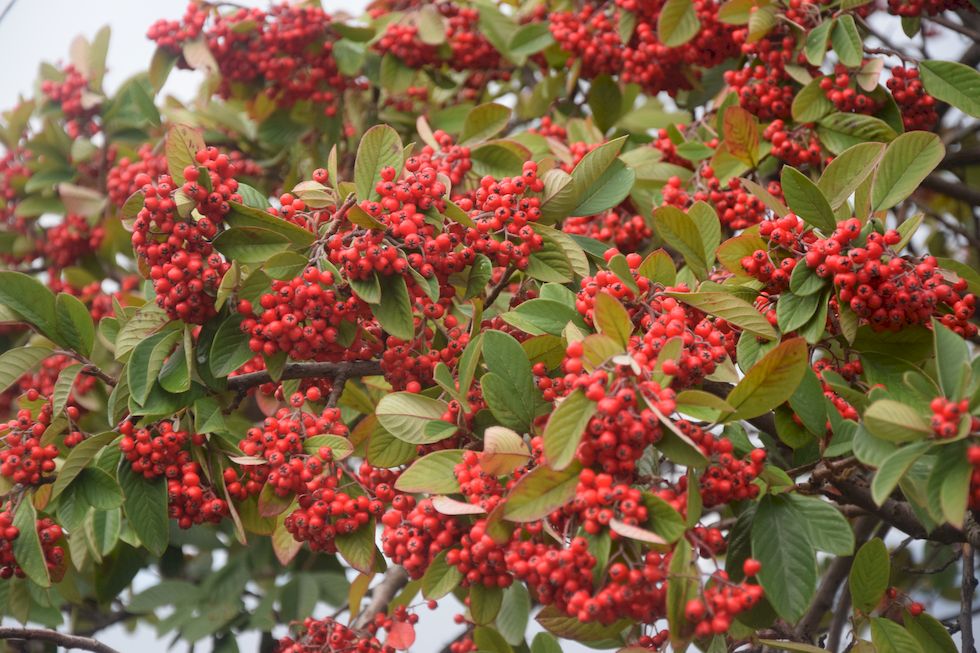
(973,35)
(394,580)
(309,370)
(498,288)
(61,639)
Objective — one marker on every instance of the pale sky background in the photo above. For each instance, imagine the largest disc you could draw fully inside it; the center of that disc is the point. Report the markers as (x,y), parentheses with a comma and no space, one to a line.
(33,31)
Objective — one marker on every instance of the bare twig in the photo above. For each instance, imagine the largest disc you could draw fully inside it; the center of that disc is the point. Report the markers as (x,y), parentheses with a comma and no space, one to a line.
(307,371)
(967,589)
(61,639)
(394,580)
(498,288)
(973,35)
(955,190)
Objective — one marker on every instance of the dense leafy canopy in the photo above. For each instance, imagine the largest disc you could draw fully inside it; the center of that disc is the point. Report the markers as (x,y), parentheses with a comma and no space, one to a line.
(652,320)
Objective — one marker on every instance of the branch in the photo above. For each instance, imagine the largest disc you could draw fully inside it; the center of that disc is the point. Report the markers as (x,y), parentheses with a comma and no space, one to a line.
(806,629)
(307,371)
(959,191)
(503,283)
(394,580)
(966,601)
(848,487)
(53,636)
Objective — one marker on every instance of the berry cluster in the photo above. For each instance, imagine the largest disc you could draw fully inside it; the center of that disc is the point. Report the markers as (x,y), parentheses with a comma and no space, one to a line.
(177,251)
(23,459)
(765,88)
(410,365)
(845,95)
(798,146)
(723,600)
(947,416)
(307,317)
(280,441)
(914,8)
(78,106)
(172,34)
(592,36)
(326,512)
(415,532)
(479,487)
(617,227)
(599,499)
(480,558)
(918,107)
(71,240)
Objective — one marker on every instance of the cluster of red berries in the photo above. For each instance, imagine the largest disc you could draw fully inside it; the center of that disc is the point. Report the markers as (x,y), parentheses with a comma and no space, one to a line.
(479,487)
(843,93)
(634,591)
(973,457)
(328,635)
(24,459)
(41,382)
(78,108)
(410,365)
(726,479)
(326,512)
(14,171)
(480,558)
(722,602)
(214,193)
(448,159)
(850,370)
(71,240)
(415,532)
(618,227)
(798,146)
(171,35)
(280,441)
(157,451)
(735,207)
(306,317)
(190,502)
(592,36)
(183,265)
(599,499)
(285,52)
(887,290)
(552,574)
(918,107)
(48,533)
(947,416)
(766,89)
(504,211)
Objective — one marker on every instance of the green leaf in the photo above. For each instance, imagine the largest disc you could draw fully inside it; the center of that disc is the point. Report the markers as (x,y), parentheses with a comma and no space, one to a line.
(848,170)
(681,232)
(183,143)
(99,489)
(515,612)
(432,474)
(560,624)
(63,387)
(229,349)
(78,459)
(530,39)
(663,519)
(847,42)
(565,428)
(780,541)
(793,311)
(929,633)
(440,578)
(829,531)
(951,354)
(908,160)
(241,215)
(811,103)
(953,83)
(895,421)
(804,281)
(678,23)
(608,191)
(147,360)
(484,122)
(816,43)
(540,492)
(165,593)
(771,381)
(75,323)
(806,200)
(682,587)
(146,509)
(358,548)
(954,493)
(840,131)
(730,308)
(485,603)
(148,319)
(606,101)
(562,202)
(250,245)
(405,416)
(394,309)
(27,547)
(31,299)
(612,319)
(796,647)
(541,316)
(869,575)
(14,363)
(889,637)
(380,147)
(894,468)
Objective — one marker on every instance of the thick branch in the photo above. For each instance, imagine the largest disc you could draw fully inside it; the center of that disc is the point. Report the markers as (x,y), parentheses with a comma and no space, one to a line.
(959,191)
(394,580)
(307,371)
(853,489)
(53,636)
